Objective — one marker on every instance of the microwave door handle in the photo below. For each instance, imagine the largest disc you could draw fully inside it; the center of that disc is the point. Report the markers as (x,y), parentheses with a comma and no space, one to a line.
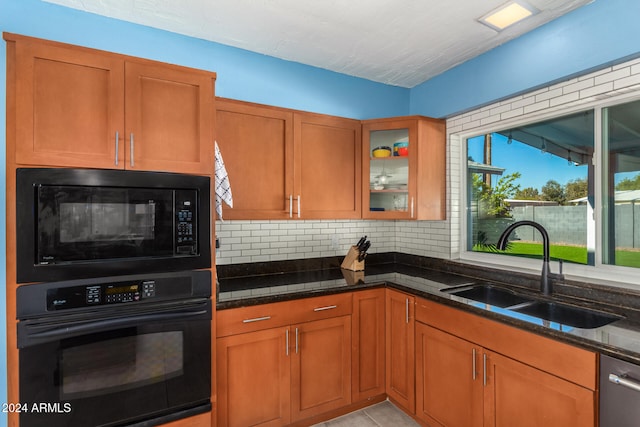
(64,331)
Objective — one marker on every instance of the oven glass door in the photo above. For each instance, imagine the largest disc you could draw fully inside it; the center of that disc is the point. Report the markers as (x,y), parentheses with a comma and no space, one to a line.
(140,368)
(83,223)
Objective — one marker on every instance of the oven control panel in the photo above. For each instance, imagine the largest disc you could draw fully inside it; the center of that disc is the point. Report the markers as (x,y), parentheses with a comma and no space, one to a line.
(107,293)
(100,294)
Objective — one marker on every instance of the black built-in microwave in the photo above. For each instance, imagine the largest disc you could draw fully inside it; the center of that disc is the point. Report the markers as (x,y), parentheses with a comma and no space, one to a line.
(82,223)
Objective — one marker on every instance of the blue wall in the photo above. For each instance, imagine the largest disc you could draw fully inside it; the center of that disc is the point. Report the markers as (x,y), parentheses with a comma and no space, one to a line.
(241,74)
(600,33)
(603,32)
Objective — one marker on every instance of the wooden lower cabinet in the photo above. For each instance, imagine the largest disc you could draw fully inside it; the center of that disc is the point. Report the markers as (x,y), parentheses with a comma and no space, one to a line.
(368,344)
(448,379)
(253,378)
(277,376)
(520,395)
(321,367)
(460,383)
(400,353)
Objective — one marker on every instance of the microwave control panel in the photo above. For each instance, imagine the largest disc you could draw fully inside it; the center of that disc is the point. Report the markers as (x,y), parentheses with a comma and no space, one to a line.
(186,242)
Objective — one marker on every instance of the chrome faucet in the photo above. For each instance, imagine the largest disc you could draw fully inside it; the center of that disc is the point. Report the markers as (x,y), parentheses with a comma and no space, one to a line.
(545,285)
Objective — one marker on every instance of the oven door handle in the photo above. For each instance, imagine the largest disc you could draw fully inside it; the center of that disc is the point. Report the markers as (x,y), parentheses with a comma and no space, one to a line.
(31,338)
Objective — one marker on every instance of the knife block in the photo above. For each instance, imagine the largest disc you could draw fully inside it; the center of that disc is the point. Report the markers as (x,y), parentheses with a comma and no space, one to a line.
(351,262)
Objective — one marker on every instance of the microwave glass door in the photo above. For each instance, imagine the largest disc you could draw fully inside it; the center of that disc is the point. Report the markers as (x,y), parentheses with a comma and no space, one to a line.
(95,223)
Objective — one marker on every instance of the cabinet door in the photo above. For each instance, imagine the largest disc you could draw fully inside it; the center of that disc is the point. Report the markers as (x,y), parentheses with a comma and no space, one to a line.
(253,379)
(169,122)
(517,394)
(430,202)
(327,166)
(69,106)
(257,145)
(389,183)
(368,338)
(449,379)
(321,367)
(409,186)
(400,340)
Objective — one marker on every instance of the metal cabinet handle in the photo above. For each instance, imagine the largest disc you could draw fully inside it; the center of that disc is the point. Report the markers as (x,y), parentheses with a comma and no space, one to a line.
(298,206)
(117,146)
(625,382)
(297,341)
(406,309)
(290,205)
(286,342)
(131,141)
(412,207)
(328,307)
(473,363)
(256,319)
(484,369)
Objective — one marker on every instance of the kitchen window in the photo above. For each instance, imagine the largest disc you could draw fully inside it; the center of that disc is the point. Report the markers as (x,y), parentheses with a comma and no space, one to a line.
(577,174)
(621,184)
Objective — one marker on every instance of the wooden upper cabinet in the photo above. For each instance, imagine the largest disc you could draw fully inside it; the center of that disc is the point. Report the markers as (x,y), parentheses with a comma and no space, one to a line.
(79,107)
(169,123)
(288,164)
(410,186)
(328,166)
(69,105)
(256,143)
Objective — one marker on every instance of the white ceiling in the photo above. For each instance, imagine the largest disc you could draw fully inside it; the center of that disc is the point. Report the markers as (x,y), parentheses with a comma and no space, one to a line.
(396,42)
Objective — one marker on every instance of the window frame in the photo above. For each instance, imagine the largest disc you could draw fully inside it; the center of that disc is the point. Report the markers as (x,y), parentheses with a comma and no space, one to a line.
(612,275)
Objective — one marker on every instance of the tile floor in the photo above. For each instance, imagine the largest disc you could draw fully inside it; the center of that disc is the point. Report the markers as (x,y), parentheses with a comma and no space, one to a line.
(383,414)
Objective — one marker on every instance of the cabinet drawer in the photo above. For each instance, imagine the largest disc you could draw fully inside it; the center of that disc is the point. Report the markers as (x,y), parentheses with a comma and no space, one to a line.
(309,309)
(253,318)
(265,316)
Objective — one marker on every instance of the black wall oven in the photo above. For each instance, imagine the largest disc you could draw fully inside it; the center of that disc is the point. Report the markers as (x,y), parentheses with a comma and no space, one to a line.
(81,223)
(128,350)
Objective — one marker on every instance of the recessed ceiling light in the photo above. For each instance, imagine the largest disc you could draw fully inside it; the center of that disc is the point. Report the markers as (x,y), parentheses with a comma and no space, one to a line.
(508,14)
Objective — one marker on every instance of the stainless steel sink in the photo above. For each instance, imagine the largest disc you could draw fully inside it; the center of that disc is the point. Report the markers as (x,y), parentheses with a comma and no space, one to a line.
(565,314)
(489,294)
(569,315)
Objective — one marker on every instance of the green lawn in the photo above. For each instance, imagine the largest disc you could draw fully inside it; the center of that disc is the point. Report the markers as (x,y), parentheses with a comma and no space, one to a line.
(576,254)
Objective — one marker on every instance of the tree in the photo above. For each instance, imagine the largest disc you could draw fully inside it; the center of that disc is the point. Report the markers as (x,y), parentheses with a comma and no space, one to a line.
(553,191)
(576,189)
(629,183)
(493,198)
(528,193)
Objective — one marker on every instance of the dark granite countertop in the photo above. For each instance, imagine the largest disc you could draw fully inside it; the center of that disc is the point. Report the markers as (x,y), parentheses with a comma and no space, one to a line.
(426,278)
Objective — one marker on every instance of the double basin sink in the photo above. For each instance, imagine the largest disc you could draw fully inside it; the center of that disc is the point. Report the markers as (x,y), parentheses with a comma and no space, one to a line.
(553,311)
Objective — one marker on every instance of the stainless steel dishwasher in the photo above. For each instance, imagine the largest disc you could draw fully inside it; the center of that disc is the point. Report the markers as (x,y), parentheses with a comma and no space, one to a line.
(619,393)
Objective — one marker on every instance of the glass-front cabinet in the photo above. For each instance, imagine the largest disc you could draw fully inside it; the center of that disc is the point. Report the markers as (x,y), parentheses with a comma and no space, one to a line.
(404,168)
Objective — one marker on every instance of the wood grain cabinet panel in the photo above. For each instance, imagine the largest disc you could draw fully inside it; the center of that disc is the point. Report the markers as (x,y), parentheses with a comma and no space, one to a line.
(328,166)
(69,105)
(448,379)
(368,342)
(286,164)
(400,350)
(273,374)
(254,379)
(518,394)
(80,107)
(321,367)
(531,381)
(257,145)
(169,118)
